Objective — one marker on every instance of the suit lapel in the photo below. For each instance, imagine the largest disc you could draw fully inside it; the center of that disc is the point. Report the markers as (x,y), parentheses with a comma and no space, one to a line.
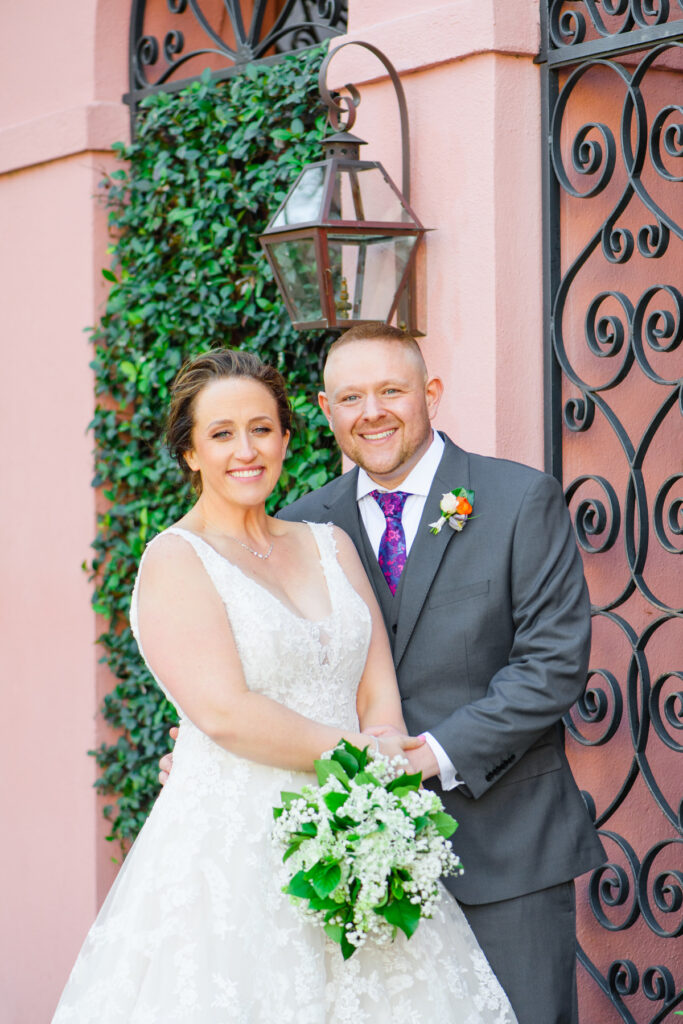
(344,509)
(427,550)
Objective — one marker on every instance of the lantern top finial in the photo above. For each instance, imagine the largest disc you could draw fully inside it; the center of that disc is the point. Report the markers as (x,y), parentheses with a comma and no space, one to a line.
(342,145)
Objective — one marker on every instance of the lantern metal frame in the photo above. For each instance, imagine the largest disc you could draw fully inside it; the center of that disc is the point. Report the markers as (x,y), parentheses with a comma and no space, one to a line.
(341,156)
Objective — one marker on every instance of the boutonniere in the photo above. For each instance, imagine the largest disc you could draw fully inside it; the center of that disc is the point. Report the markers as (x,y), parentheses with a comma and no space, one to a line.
(456,508)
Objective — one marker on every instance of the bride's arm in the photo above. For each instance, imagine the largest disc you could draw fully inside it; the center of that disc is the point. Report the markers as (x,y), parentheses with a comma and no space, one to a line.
(187,640)
(378,701)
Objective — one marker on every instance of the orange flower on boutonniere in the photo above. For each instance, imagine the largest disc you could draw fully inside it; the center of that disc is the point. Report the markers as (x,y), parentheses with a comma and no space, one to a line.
(456,508)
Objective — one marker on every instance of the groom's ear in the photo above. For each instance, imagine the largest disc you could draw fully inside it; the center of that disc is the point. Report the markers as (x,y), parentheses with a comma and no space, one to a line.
(325,406)
(433,395)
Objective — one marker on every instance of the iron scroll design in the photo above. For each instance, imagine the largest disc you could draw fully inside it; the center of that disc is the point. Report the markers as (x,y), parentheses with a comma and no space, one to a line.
(579,29)
(614,402)
(229,34)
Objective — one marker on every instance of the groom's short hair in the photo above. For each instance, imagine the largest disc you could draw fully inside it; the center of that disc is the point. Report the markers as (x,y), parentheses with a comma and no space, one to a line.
(379,332)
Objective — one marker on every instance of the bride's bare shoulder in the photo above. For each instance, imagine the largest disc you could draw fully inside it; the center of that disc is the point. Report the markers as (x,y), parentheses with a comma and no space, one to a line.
(169,558)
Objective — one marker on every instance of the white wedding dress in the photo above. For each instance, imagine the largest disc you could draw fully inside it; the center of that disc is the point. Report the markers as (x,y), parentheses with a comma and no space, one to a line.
(196,929)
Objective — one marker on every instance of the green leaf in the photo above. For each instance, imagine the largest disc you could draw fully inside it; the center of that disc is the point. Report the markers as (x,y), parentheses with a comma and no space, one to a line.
(402,914)
(291,849)
(334,932)
(405,783)
(289,798)
(300,886)
(463,492)
(325,768)
(445,825)
(397,890)
(109,276)
(325,878)
(334,801)
(347,760)
(330,906)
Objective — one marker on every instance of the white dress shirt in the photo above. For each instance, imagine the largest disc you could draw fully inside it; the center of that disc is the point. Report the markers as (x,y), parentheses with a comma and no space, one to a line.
(417,485)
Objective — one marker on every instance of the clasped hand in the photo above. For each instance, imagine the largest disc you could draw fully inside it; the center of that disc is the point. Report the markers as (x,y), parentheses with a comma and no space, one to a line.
(415,749)
(392,743)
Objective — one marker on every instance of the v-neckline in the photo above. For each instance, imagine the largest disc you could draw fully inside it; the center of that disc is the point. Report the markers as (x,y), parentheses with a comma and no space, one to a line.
(262,586)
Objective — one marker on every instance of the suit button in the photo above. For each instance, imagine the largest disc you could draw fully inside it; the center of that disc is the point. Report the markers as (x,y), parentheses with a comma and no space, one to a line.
(488,776)
(393,628)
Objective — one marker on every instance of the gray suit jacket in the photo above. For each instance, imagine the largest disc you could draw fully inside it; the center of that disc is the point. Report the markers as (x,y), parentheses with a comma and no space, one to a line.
(490,630)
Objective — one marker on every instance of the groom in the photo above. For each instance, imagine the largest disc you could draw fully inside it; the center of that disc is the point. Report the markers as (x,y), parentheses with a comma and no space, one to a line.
(490,629)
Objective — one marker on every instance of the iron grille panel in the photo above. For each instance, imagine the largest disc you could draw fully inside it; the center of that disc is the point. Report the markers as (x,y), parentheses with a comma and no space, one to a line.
(172,44)
(613,252)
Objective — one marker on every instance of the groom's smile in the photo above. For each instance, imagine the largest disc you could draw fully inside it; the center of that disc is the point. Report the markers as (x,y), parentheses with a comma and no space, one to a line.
(381,436)
(379,402)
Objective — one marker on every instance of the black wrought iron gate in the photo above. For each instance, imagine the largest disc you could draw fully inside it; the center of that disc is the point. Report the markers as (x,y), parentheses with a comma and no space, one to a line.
(613,206)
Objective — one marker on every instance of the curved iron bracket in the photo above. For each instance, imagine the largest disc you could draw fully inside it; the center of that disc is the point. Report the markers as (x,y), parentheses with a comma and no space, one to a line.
(341,110)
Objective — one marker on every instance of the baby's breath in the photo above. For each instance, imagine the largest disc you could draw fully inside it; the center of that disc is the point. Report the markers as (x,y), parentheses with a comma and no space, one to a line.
(363,850)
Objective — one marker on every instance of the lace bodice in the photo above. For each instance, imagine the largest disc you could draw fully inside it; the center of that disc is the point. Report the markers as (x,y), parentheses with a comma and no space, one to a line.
(312,667)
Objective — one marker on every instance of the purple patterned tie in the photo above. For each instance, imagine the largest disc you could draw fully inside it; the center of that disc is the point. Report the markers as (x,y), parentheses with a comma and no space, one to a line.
(392,546)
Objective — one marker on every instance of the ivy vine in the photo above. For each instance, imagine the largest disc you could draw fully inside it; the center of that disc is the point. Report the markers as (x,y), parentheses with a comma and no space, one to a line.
(207,168)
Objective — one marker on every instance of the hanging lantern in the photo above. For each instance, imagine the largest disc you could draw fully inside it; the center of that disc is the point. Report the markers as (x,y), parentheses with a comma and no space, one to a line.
(342,245)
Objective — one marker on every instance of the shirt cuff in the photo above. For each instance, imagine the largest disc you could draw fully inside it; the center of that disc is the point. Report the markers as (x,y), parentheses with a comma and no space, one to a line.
(448,776)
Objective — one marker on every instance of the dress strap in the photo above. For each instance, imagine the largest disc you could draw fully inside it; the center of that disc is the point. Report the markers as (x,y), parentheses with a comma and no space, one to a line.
(327,548)
(324,538)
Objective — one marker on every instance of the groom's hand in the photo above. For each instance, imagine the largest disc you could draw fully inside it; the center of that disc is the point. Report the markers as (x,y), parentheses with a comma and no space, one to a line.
(166,762)
(394,742)
(422,759)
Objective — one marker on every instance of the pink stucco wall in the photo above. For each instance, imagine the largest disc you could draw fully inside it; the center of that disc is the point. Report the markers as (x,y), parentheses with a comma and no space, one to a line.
(62,75)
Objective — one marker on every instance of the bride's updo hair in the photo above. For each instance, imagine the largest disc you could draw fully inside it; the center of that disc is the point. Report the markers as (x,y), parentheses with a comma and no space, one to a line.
(194,377)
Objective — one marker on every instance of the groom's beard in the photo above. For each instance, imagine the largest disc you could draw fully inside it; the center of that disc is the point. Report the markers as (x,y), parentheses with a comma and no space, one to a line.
(397,459)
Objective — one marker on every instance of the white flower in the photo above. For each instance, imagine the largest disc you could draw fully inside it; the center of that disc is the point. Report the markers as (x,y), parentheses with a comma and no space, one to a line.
(449,504)
(436,527)
(457,522)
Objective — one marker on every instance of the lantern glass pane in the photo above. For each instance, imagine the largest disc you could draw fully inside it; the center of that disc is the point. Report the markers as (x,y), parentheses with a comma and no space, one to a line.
(364,194)
(296,262)
(366,272)
(303,202)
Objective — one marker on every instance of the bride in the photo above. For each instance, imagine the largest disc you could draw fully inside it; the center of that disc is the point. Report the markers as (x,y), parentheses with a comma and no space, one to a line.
(267,638)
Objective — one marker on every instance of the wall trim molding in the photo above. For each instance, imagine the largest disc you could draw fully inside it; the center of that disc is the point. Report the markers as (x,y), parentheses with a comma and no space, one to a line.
(62,133)
(446,34)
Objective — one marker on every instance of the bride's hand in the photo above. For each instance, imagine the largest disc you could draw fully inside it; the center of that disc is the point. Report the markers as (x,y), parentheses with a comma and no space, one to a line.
(392,742)
(383,730)
(166,762)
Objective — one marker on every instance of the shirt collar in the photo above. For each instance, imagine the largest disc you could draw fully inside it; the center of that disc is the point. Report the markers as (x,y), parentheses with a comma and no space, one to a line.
(418,481)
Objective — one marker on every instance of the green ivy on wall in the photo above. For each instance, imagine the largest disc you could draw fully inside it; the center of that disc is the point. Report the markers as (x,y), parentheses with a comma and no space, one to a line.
(207,169)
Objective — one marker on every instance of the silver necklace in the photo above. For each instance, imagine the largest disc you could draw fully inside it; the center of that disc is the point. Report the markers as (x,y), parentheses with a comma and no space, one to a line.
(252,551)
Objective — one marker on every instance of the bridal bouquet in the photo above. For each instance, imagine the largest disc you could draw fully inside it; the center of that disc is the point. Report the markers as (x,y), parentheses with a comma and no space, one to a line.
(365,848)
